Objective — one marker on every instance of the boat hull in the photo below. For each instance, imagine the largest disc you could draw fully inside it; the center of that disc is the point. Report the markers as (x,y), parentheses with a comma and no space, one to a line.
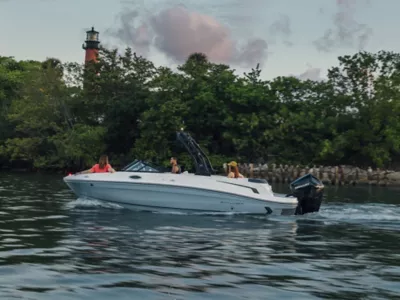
(160,198)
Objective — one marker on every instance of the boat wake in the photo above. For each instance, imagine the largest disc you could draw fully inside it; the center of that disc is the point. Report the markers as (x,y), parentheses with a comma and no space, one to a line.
(373,214)
(367,212)
(370,214)
(84,203)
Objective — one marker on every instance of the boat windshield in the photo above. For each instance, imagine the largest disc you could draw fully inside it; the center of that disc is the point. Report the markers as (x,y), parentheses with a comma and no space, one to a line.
(142,166)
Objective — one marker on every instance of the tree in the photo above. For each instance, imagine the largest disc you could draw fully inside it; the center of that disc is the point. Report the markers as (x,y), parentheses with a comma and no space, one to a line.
(12,74)
(57,115)
(367,93)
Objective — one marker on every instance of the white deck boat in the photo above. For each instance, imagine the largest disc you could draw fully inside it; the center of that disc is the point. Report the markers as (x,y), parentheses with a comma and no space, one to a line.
(143,186)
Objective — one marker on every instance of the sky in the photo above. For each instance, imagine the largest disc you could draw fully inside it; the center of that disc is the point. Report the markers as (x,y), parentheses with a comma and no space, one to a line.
(286,37)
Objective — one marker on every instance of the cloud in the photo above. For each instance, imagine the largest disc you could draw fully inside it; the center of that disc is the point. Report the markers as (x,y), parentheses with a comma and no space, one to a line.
(281,28)
(225,30)
(311,74)
(178,32)
(347,32)
(138,36)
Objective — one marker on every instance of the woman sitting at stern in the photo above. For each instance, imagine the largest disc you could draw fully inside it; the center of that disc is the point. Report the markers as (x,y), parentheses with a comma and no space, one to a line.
(233,171)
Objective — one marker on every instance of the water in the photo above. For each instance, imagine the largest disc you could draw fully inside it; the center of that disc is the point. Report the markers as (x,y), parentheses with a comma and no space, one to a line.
(53,246)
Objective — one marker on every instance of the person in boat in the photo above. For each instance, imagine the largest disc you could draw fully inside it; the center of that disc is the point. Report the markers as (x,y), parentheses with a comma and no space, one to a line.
(176,169)
(102,167)
(233,170)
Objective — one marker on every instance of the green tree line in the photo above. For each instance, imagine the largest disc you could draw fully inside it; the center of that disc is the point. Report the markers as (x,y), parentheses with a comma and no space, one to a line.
(60,116)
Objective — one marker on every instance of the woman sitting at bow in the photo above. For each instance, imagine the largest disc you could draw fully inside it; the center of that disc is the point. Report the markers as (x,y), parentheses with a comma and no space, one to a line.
(102,167)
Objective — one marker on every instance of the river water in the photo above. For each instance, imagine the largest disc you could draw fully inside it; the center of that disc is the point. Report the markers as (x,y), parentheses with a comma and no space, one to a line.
(53,246)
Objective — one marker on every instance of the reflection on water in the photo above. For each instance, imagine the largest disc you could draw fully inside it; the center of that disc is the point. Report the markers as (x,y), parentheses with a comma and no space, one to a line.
(56,247)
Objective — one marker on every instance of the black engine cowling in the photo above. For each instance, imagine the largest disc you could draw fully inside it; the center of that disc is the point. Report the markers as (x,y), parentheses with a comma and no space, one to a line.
(309,191)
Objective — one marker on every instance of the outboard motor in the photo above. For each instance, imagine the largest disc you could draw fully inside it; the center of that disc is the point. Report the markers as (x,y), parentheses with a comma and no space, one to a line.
(309,191)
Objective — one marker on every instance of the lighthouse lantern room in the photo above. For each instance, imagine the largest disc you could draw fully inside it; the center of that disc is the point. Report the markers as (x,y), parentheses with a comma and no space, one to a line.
(91,45)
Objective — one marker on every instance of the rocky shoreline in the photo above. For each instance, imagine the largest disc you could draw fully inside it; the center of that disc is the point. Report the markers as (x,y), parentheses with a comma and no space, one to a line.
(329,175)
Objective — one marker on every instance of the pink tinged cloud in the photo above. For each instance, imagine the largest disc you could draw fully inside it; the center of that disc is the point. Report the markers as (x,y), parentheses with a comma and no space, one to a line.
(178,32)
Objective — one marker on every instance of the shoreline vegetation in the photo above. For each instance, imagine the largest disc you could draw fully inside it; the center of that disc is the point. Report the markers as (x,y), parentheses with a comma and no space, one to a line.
(60,117)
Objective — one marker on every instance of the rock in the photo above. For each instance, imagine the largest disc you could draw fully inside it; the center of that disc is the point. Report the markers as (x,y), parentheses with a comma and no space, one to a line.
(393,177)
